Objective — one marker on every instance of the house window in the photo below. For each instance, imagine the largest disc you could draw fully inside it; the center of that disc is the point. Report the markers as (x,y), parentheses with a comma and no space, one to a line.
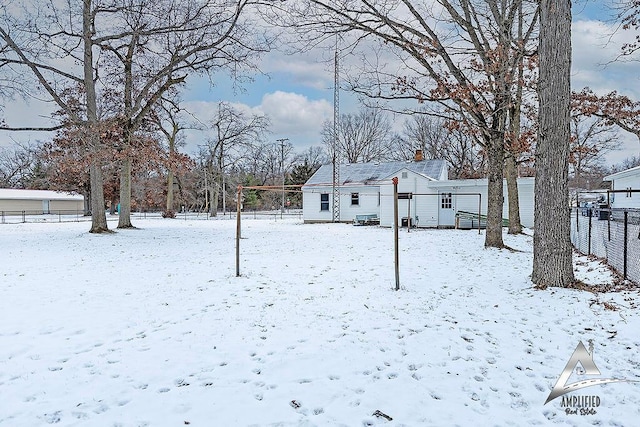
(404,175)
(446,201)
(324,201)
(355,199)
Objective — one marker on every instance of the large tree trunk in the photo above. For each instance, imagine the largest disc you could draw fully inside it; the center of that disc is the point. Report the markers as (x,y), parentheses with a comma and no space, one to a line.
(169,207)
(511,175)
(87,198)
(552,252)
(124,218)
(495,176)
(98,214)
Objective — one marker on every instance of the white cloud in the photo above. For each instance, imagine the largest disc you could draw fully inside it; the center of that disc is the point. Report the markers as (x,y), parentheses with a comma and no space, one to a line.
(292,116)
(596,45)
(295,114)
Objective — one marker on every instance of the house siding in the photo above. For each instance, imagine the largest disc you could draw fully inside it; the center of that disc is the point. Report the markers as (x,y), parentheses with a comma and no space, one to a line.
(469,203)
(626,200)
(424,206)
(368,198)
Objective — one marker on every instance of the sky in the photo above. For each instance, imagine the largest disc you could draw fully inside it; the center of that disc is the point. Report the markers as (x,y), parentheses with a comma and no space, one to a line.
(296,91)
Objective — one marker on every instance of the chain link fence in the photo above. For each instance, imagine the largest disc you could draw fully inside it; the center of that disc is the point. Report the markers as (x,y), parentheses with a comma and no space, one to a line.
(20,217)
(612,234)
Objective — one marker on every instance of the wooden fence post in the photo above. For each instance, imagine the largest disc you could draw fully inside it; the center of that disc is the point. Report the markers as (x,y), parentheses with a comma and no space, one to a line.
(395,232)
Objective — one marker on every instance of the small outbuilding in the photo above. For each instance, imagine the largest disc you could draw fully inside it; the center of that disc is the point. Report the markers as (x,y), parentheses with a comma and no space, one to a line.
(625,189)
(38,202)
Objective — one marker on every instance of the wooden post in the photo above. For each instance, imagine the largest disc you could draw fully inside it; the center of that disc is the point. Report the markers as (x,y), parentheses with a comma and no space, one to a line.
(395,231)
(409,215)
(238,228)
(578,213)
(589,237)
(625,248)
(479,210)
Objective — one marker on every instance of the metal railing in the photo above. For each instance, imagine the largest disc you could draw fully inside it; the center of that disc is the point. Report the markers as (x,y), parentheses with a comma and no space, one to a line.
(611,234)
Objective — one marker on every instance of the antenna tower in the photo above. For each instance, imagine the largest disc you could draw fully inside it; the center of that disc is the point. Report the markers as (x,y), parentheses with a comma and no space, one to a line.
(336,146)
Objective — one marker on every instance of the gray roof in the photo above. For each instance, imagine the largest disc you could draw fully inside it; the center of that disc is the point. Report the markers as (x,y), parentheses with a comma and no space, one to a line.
(363,173)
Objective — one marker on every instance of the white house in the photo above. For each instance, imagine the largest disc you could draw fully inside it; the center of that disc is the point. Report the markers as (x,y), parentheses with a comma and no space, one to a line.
(426,197)
(35,202)
(625,180)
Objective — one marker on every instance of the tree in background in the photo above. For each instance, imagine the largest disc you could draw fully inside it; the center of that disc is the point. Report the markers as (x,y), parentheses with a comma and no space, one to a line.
(234,137)
(21,167)
(166,116)
(552,250)
(591,139)
(305,165)
(362,137)
(628,163)
(439,139)
(149,47)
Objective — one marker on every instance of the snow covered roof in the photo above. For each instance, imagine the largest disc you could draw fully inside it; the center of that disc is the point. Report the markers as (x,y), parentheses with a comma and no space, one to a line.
(367,172)
(623,174)
(15,194)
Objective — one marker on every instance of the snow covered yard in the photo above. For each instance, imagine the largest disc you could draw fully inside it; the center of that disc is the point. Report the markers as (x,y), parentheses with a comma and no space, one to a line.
(151,327)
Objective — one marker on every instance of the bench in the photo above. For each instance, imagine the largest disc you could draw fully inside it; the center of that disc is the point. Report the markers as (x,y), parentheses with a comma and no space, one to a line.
(370,219)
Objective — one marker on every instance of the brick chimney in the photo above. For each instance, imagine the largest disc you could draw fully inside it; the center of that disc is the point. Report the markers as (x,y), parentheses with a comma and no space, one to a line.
(419,157)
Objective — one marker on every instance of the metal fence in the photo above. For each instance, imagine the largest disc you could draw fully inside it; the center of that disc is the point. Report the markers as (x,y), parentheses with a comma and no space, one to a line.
(612,234)
(15,217)
(18,217)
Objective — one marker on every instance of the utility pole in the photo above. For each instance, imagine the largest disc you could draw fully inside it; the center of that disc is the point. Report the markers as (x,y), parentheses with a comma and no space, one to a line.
(282,141)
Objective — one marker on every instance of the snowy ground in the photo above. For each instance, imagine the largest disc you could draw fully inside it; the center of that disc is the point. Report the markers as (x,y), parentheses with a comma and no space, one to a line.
(151,327)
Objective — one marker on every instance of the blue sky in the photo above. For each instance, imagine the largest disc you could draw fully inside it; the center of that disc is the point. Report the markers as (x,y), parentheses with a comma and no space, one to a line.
(296,91)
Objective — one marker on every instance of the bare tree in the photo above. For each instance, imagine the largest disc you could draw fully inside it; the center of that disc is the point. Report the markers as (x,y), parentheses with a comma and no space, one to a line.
(151,46)
(591,139)
(20,166)
(37,36)
(167,117)
(628,163)
(362,137)
(314,156)
(460,58)
(629,12)
(438,140)
(552,250)
(233,136)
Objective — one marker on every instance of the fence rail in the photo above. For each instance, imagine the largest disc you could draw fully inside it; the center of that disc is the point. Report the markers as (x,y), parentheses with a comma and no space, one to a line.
(57,216)
(612,234)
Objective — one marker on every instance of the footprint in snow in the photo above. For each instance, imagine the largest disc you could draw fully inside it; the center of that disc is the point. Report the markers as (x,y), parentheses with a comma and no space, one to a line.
(53,418)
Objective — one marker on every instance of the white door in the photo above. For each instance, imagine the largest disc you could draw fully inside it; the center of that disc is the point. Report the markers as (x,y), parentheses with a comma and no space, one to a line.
(446,214)
(45,206)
